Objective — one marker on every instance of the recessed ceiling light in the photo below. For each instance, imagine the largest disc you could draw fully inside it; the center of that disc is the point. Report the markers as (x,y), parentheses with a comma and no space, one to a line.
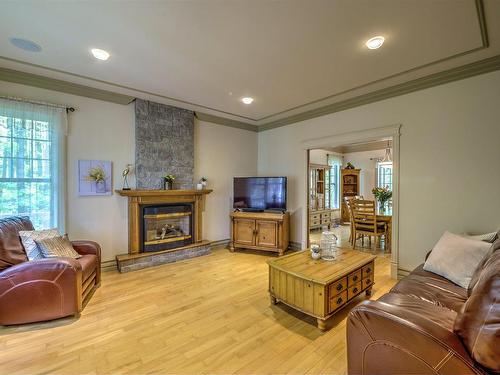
(375,42)
(247,100)
(25,44)
(100,54)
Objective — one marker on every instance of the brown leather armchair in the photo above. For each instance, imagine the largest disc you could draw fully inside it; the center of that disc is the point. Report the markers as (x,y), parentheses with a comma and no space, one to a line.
(45,289)
(428,325)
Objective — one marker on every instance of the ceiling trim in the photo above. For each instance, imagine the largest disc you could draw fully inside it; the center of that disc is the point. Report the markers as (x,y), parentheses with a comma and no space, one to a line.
(35,80)
(484,44)
(454,74)
(225,121)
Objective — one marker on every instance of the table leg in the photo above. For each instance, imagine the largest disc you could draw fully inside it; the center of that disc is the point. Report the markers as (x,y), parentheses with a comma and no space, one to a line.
(321,324)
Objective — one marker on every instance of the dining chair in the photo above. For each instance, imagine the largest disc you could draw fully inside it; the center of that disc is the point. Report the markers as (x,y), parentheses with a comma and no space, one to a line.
(364,221)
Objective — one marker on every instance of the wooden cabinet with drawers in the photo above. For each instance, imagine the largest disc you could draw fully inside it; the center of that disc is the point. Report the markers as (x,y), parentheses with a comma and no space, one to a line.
(260,231)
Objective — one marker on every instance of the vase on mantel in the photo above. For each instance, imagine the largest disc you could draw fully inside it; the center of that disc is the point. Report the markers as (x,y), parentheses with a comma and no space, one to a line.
(167,185)
(382,207)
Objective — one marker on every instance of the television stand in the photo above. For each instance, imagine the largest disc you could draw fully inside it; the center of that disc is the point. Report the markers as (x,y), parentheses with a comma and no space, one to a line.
(267,231)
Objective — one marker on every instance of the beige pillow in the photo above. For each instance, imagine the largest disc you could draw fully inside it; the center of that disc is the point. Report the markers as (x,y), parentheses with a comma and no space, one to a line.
(486,237)
(456,258)
(28,238)
(57,247)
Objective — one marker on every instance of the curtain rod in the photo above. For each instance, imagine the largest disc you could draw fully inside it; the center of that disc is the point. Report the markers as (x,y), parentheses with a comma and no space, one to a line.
(68,109)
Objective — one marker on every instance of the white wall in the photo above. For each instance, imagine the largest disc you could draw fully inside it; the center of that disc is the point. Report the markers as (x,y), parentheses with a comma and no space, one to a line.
(450,159)
(222,153)
(361,160)
(319,156)
(105,131)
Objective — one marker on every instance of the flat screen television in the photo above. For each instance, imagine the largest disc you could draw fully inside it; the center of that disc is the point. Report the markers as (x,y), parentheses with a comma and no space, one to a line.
(259,193)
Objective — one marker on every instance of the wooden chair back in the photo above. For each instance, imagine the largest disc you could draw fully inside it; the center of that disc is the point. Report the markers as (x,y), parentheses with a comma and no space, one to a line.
(364,218)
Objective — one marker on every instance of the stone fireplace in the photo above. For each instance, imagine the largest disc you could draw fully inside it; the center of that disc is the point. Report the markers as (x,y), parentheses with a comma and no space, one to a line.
(164,226)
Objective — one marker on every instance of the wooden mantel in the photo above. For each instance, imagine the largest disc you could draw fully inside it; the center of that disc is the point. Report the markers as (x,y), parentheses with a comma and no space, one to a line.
(136,198)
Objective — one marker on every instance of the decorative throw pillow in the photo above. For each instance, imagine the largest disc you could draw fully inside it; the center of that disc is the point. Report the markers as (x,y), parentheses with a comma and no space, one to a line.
(57,247)
(486,237)
(456,258)
(28,238)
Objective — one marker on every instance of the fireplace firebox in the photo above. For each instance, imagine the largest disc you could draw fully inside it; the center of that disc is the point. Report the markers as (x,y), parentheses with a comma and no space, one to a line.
(166,226)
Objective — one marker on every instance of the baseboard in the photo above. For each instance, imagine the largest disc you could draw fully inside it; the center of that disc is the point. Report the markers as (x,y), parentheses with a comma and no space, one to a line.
(402,273)
(223,243)
(295,246)
(108,265)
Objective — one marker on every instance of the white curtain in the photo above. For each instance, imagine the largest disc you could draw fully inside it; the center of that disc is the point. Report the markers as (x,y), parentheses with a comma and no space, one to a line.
(33,162)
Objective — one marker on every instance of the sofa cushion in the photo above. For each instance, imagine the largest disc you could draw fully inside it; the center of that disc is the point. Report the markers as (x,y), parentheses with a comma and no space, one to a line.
(456,258)
(432,288)
(438,314)
(478,324)
(11,248)
(89,264)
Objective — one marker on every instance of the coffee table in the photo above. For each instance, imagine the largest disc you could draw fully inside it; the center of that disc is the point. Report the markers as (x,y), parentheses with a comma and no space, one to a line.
(317,287)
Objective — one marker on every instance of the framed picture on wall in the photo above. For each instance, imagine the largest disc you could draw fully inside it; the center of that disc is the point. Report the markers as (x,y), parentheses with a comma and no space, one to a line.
(94,177)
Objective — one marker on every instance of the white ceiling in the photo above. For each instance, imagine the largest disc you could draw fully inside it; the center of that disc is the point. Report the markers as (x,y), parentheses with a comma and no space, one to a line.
(289,55)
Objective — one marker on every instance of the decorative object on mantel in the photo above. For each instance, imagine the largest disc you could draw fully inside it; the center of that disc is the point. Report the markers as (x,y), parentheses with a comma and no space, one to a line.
(349,166)
(168,182)
(125,174)
(202,184)
(94,177)
(382,195)
(149,212)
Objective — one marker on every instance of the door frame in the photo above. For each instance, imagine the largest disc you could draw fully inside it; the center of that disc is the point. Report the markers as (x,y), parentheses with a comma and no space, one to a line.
(340,139)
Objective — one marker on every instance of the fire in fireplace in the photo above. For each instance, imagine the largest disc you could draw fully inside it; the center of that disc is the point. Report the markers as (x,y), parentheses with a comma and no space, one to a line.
(166,226)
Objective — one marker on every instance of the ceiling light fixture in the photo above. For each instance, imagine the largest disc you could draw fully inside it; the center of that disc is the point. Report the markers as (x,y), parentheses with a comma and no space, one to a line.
(25,44)
(100,54)
(387,158)
(247,100)
(375,42)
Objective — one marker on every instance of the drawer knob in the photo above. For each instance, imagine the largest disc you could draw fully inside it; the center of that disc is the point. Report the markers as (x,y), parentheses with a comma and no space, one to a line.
(368,270)
(339,287)
(339,300)
(355,278)
(368,281)
(355,290)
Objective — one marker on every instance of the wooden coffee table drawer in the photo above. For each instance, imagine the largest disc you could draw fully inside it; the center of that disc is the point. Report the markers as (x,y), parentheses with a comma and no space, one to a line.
(337,287)
(367,282)
(337,301)
(354,278)
(367,270)
(354,290)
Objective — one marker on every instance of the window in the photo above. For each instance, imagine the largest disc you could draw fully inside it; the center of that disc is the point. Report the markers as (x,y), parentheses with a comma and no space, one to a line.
(334,181)
(31,141)
(384,175)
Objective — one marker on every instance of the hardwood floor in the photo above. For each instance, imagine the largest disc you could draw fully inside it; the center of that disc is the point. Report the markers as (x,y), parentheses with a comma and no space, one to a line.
(207,315)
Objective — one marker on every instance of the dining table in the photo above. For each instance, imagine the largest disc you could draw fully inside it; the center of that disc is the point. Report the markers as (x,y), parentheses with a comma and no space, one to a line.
(385,216)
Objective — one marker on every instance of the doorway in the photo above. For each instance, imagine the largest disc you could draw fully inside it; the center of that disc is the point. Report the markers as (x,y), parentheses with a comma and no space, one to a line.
(361,167)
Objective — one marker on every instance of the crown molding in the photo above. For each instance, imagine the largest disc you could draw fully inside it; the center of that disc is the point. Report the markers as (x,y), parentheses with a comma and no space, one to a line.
(35,80)
(454,74)
(225,121)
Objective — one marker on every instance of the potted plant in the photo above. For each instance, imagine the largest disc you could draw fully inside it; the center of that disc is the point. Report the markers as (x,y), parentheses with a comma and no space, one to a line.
(382,195)
(98,176)
(168,181)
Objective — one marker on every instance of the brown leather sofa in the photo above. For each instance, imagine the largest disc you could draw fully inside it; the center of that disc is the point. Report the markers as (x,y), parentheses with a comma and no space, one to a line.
(428,325)
(51,288)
